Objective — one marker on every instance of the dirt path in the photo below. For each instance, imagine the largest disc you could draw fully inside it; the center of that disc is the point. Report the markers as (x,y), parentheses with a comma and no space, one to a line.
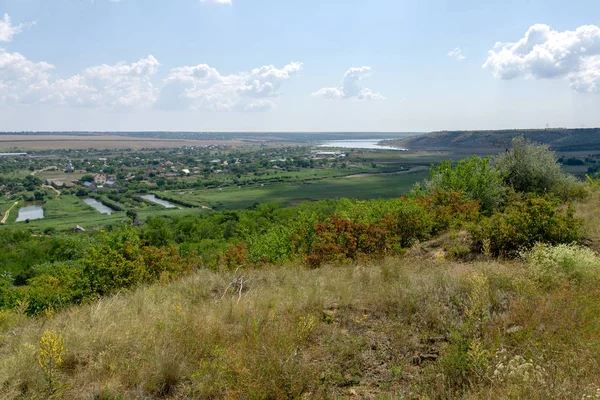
(53,188)
(8,213)
(407,171)
(43,169)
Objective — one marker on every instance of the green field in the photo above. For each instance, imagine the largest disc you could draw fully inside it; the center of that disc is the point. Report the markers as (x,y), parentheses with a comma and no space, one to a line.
(66,211)
(356,187)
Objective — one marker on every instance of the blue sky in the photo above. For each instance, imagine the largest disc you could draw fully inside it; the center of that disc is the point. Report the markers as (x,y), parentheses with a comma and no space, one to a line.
(311,65)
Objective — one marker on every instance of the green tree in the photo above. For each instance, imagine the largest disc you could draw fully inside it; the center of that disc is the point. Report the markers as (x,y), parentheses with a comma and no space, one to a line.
(475,176)
(529,167)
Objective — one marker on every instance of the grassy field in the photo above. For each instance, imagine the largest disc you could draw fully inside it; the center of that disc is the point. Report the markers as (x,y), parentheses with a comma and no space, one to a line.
(400,328)
(69,211)
(357,187)
(65,212)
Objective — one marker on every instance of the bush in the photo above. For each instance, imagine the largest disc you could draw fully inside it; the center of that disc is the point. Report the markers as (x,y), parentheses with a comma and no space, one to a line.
(569,188)
(338,240)
(450,209)
(474,176)
(550,263)
(531,167)
(526,222)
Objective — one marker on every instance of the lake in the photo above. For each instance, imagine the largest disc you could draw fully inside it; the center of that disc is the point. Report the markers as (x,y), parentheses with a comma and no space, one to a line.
(30,213)
(358,144)
(154,199)
(101,208)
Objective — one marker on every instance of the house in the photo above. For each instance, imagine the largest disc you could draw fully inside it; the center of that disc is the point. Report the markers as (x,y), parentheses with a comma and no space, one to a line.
(112,184)
(100,179)
(78,229)
(59,183)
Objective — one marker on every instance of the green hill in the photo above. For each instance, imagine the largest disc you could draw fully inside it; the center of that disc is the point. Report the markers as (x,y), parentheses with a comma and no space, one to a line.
(559,139)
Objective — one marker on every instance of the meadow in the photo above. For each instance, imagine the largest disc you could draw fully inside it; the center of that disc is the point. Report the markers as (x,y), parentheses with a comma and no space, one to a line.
(67,211)
(355,187)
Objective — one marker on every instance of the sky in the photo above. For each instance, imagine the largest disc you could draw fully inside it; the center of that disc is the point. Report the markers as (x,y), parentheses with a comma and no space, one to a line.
(298,65)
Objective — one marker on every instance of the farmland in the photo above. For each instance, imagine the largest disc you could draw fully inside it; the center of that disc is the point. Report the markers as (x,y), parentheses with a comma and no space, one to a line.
(198,175)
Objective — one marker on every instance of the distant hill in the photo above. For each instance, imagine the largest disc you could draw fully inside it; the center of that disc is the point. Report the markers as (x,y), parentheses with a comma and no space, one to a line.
(559,139)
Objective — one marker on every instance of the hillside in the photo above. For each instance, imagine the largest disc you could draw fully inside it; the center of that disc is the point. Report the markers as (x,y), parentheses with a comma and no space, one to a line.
(418,326)
(483,282)
(560,139)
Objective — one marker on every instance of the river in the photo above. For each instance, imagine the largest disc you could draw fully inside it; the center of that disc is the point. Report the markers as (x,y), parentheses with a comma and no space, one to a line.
(372,144)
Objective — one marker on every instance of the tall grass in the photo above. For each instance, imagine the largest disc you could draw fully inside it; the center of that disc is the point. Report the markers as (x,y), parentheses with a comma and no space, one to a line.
(401,327)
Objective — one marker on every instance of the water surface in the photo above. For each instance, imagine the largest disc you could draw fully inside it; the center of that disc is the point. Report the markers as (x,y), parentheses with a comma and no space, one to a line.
(372,144)
(30,213)
(101,208)
(154,199)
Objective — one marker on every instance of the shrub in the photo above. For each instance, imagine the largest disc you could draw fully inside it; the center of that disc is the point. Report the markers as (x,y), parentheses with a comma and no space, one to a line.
(450,209)
(236,256)
(549,263)
(531,167)
(409,223)
(474,176)
(338,240)
(526,222)
(569,188)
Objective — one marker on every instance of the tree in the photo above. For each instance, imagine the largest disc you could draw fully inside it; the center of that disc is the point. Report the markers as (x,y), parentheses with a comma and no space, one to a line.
(529,167)
(474,176)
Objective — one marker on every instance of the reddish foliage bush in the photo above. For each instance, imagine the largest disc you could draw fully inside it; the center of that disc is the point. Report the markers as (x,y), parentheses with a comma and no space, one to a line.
(236,255)
(338,239)
(450,209)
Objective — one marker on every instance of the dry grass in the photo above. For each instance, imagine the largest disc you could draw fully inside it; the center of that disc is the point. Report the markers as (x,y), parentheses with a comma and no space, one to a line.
(384,330)
(589,211)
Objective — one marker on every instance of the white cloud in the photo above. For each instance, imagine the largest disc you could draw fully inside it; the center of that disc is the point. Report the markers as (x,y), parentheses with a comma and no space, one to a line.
(8,30)
(350,88)
(544,53)
(203,87)
(116,86)
(456,53)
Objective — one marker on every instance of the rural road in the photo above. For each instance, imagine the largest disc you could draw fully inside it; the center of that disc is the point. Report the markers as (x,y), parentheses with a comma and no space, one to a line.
(43,169)
(53,188)
(8,213)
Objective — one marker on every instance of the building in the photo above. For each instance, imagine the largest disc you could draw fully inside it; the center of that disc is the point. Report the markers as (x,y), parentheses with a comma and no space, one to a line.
(327,154)
(60,183)
(100,179)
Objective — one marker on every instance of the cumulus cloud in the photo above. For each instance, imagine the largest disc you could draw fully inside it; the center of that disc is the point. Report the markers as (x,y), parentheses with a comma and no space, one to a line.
(107,86)
(8,30)
(350,88)
(544,53)
(203,87)
(456,53)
